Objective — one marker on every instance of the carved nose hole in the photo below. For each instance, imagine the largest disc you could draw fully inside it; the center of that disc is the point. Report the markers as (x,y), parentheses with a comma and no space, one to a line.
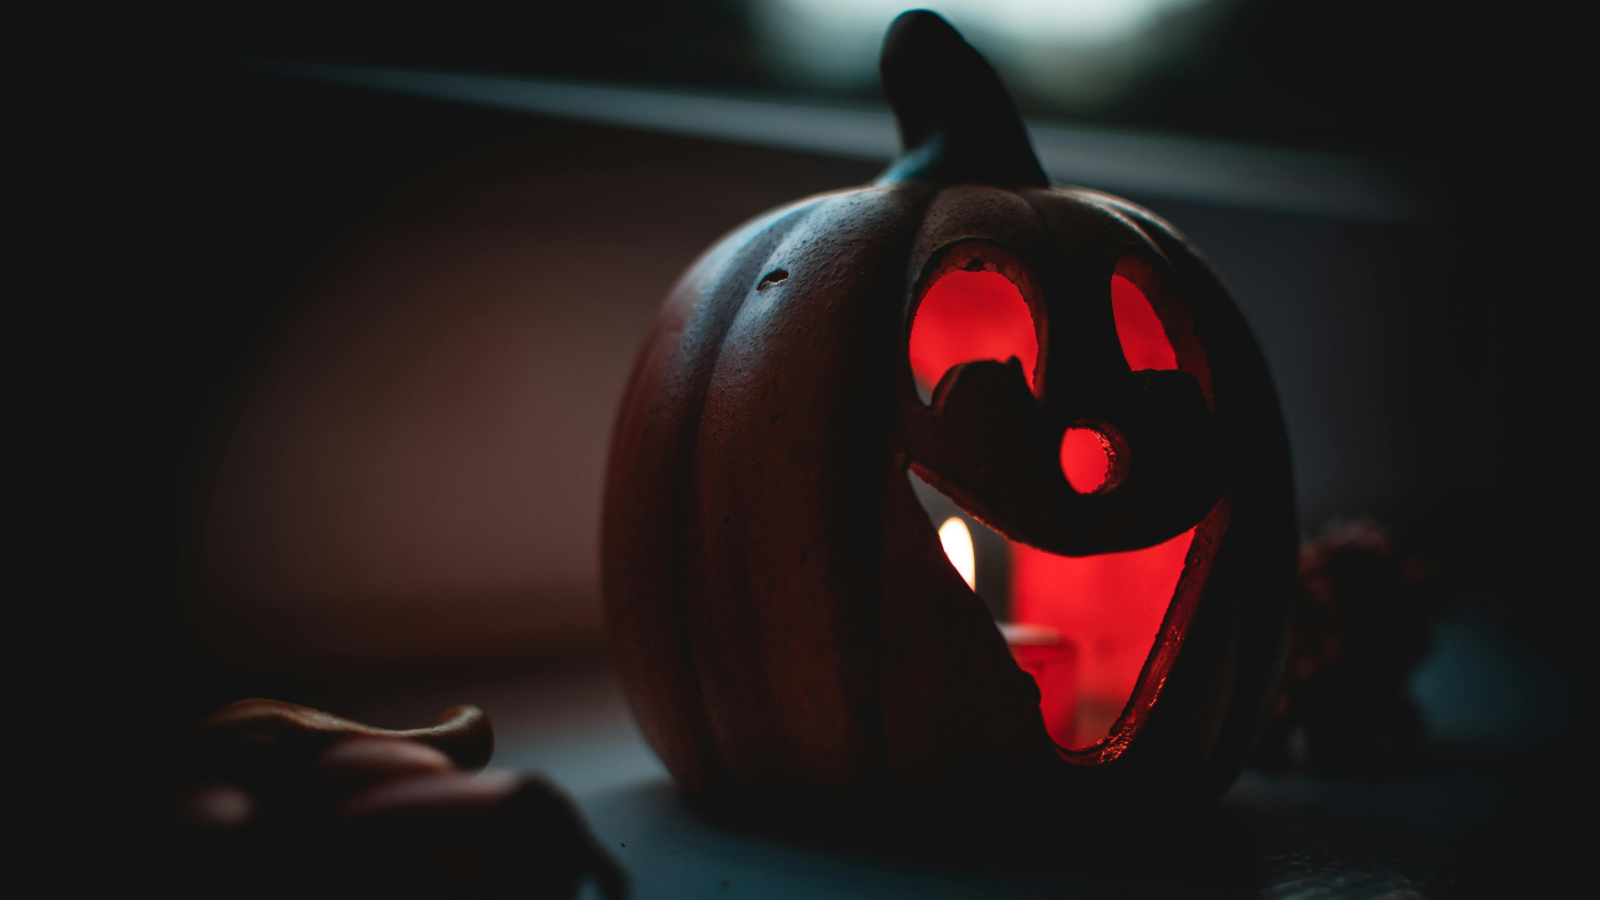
(772,278)
(1094,457)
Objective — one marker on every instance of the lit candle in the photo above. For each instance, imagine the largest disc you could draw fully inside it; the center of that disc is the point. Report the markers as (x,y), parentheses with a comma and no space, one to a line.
(957,541)
(1039,650)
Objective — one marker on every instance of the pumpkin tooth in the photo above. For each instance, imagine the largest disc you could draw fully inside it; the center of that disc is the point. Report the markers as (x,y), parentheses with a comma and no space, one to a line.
(1043,651)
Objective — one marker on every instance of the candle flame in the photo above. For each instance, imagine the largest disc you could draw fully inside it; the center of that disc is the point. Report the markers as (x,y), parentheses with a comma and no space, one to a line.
(957,541)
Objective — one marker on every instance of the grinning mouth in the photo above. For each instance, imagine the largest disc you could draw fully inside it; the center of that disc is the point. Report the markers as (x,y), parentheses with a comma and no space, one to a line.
(1086,628)
(1098,633)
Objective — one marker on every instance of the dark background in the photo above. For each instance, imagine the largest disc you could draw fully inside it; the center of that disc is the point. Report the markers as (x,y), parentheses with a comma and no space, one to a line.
(192,211)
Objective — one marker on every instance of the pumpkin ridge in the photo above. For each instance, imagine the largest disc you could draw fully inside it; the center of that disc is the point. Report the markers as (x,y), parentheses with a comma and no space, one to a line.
(680,403)
(734,447)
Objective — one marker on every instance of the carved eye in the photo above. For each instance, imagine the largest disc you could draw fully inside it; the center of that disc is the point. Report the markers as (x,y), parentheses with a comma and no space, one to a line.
(1144,341)
(967,316)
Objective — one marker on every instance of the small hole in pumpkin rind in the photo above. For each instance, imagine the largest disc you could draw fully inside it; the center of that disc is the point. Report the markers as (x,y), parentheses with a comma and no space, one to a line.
(772,278)
(1092,457)
(969,315)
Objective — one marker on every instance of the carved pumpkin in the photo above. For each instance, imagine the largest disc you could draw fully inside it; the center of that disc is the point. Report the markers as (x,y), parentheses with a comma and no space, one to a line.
(785,619)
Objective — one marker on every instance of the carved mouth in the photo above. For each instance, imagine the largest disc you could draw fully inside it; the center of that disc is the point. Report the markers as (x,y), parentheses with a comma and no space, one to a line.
(1086,628)
(1099,632)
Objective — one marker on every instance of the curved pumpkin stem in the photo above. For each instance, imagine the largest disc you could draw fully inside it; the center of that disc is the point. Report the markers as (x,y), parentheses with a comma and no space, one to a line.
(957,122)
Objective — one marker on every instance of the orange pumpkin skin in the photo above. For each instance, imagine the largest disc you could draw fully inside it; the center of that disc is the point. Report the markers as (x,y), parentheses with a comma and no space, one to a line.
(784,620)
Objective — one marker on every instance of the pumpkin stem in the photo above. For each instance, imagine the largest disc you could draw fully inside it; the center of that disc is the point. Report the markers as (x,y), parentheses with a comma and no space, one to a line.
(957,122)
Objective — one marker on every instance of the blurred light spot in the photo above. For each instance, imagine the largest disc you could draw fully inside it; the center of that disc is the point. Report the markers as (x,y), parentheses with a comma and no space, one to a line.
(1077,50)
(1480,685)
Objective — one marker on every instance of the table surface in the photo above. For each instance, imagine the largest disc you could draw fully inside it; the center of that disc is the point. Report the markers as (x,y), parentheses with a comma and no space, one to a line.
(1504,725)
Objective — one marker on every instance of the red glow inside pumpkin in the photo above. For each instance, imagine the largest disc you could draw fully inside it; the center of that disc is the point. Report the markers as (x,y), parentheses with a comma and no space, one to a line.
(1052,660)
(1110,606)
(968,316)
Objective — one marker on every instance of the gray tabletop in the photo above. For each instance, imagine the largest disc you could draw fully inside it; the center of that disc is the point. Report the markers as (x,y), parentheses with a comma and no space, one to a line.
(1486,699)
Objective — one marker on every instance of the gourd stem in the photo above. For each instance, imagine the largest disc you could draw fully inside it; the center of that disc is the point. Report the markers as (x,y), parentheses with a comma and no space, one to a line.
(957,122)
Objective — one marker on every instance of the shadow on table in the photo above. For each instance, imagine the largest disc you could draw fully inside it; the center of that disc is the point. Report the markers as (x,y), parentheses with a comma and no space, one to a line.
(1495,800)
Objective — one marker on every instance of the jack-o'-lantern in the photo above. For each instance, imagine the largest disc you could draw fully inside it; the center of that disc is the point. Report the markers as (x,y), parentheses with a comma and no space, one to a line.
(1056,366)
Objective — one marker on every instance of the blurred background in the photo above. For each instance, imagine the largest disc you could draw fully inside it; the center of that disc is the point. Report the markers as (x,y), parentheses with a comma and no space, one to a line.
(372,276)
(349,291)
(338,301)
